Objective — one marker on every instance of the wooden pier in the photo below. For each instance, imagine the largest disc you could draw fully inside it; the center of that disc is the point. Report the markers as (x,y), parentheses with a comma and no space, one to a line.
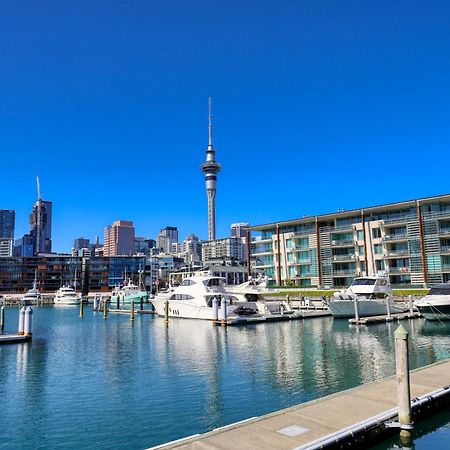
(348,418)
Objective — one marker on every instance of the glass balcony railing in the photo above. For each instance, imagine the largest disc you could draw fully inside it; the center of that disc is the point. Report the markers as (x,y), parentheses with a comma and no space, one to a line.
(349,257)
(445,230)
(397,236)
(395,253)
(398,269)
(344,272)
(446,267)
(445,248)
(342,242)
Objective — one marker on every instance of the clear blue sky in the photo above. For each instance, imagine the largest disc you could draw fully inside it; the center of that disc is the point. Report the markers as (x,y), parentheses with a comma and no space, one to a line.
(318,105)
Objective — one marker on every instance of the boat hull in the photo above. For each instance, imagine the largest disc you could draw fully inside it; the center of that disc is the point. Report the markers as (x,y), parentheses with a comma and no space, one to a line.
(125,301)
(366,308)
(434,312)
(67,302)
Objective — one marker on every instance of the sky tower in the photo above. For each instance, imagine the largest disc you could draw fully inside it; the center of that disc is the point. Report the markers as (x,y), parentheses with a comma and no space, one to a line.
(211,168)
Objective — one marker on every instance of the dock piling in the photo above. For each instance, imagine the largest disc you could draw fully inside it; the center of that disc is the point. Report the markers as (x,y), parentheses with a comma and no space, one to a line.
(132,310)
(21,321)
(403,384)
(388,310)
(356,310)
(215,309)
(410,303)
(105,309)
(166,311)
(28,321)
(95,306)
(141,303)
(81,308)
(2,319)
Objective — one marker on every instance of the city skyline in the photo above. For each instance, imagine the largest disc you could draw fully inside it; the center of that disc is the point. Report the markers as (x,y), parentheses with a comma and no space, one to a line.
(317,107)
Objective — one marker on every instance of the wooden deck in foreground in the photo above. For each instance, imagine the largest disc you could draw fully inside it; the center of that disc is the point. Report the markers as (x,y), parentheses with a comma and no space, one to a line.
(300,426)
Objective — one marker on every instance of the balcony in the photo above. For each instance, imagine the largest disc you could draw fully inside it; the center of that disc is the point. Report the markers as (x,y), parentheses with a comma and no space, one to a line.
(445,248)
(395,237)
(445,267)
(343,243)
(344,272)
(396,253)
(444,231)
(397,270)
(349,257)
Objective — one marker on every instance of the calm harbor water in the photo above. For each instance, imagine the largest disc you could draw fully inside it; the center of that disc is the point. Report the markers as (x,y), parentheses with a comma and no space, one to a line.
(103,384)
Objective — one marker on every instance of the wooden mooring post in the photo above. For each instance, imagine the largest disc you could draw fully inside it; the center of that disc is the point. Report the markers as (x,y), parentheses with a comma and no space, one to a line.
(403,384)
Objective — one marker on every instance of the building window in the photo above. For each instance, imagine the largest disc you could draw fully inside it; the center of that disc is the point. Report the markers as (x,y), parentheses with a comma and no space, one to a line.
(378,248)
(376,233)
(360,235)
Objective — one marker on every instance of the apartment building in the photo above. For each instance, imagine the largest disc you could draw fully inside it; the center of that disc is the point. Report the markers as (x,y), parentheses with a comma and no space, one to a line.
(409,241)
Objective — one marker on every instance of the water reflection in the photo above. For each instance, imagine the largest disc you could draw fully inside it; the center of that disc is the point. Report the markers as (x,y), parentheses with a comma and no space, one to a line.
(145,383)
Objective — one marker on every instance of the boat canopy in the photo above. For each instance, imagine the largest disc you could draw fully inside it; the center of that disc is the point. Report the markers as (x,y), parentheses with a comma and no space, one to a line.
(442,289)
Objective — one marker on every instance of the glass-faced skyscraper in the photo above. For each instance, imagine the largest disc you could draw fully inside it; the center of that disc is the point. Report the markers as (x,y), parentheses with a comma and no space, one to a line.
(211,168)
(7,225)
(41,225)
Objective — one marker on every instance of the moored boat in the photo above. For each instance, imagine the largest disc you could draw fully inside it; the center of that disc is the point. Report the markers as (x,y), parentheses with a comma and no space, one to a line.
(66,295)
(122,297)
(436,304)
(373,294)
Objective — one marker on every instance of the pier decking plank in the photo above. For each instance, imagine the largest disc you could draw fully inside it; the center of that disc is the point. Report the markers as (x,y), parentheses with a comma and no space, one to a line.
(301,424)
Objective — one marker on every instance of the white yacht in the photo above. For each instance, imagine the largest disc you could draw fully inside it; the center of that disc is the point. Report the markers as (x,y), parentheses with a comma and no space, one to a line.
(33,296)
(193,299)
(436,304)
(253,292)
(372,292)
(121,297)
(66,295)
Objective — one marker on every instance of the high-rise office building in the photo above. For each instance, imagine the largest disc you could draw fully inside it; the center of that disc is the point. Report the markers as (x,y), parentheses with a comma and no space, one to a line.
(7,225)
(211,168)
(41,224)
(166,238)
(80,243)
(192,248)
(119,238)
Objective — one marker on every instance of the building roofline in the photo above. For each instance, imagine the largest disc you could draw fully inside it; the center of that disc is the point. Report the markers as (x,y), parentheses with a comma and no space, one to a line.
(351,212)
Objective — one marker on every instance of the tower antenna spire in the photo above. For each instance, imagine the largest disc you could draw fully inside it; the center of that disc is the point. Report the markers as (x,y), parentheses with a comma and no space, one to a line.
(211,168)
(38,188)
(210,144)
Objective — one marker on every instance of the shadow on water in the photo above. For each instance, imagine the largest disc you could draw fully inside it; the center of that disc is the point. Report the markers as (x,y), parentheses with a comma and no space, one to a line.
(431,433)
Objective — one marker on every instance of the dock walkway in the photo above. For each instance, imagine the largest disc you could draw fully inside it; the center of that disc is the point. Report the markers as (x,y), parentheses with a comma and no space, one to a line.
(309,425)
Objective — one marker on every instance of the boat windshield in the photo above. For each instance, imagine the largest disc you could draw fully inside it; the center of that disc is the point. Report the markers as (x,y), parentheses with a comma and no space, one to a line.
(364,282)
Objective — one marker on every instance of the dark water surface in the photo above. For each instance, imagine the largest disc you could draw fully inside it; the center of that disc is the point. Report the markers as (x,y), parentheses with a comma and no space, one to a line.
(104,384)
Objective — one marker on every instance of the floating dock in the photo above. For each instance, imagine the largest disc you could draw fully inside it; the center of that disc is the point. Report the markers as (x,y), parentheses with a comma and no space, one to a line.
(351,417)
(384,318)
(297,315)
(13,338)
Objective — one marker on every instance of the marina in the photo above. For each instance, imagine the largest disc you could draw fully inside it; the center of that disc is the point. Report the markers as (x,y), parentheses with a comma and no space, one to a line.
(182,379)
(350,418)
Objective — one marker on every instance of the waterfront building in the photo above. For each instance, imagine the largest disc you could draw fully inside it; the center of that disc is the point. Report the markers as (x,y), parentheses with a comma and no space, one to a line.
(230,247)
(166,238)
(95,274)
(80,243)
(7,226)
(409,241)
(119,239)
(41,224)
(211,168)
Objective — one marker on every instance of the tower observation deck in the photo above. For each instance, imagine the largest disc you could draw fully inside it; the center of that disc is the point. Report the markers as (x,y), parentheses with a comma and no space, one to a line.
(211,168)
